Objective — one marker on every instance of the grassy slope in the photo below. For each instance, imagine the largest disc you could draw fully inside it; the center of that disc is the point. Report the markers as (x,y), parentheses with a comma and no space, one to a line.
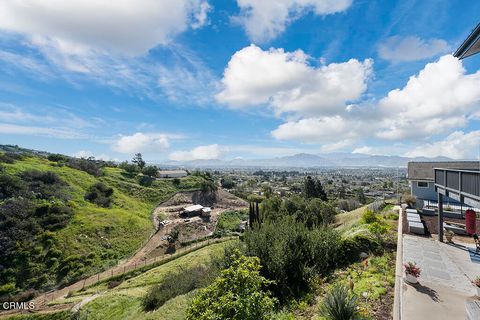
(110,234)
(124,301)
(347,220)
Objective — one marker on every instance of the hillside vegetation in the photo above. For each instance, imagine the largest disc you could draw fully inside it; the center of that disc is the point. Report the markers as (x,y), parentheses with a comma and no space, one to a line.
(64,218)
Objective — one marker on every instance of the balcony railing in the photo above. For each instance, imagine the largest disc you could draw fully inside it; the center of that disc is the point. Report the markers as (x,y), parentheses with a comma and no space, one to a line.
(462,185)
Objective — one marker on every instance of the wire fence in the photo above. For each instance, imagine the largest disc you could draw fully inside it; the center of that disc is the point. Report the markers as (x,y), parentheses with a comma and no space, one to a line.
(120,270)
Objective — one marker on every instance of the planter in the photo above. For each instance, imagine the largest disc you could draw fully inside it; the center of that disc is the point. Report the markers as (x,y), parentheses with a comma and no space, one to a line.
(411,278)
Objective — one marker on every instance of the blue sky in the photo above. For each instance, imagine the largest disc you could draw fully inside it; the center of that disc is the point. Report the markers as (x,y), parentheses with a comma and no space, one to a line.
(198,79)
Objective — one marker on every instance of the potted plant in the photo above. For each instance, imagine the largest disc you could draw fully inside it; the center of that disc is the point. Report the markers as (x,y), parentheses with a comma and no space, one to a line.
(412,272)
(476,283)
(449,235)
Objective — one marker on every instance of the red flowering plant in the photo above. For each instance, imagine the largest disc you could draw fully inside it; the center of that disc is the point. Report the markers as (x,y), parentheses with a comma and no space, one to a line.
(411,268)
(476,282)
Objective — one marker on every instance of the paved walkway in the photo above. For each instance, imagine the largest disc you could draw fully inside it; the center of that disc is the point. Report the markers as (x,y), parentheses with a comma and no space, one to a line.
(444,283)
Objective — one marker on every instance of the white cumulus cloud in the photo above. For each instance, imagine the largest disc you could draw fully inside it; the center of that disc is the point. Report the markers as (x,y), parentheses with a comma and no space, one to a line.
(411,48)
(264,19)
(87,154)
(457,145)
(435,101)
(213,151)
(141,142)
(125,26)
(289,84)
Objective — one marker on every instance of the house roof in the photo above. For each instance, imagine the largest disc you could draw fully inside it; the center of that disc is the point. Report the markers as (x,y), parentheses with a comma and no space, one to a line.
(424,170)
(195,207)
(172,172)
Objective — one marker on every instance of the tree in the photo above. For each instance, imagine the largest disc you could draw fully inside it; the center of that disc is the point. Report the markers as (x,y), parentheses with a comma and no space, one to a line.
(238,294)
(227,183)
(313,188)
(342,192)
(309,187)
(320,192)
(150,171)
(138,160)
(361,196)
(129,167)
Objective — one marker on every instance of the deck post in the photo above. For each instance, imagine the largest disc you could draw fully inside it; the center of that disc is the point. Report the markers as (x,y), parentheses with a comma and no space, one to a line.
(440,217)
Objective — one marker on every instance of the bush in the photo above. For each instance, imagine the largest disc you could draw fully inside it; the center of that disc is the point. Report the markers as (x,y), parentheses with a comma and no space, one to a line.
(10,157)
(87,165)
(227,183)
(339,304)
(145,181)
(410,200)
(57,157)
(10,186)
(351,247)
(100,194)
(238,294)
(291,253)
(175,284)
(150,171)
(129,167)
(369,216)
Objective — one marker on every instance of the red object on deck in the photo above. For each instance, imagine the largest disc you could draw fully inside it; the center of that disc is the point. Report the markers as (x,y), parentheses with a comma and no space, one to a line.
(471,221)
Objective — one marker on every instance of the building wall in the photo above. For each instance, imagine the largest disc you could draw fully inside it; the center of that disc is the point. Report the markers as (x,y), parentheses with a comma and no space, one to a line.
(427,193)
(423,193)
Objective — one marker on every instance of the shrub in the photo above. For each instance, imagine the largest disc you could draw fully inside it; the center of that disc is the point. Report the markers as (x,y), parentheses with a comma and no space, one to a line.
(175,284)
(410,200)
(100,194)
(150,171)
(10,186)
(339,304)
(369,216)
(57,157)
(291,253)
(129,167)
(227,183)
(351,247)
(238,294)
(10,157)
(145,181)
(88,165)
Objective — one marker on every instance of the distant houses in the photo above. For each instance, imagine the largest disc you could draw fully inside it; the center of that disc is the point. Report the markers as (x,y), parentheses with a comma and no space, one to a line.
(165,174)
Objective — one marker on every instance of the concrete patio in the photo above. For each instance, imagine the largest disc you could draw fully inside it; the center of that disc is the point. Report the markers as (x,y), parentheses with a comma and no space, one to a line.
(445,282)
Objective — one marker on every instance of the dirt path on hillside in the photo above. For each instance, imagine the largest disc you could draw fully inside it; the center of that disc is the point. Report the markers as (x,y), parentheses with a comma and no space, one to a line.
(169,209)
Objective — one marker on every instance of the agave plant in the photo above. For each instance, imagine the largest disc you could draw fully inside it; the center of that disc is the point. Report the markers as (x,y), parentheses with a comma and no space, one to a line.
(339,304)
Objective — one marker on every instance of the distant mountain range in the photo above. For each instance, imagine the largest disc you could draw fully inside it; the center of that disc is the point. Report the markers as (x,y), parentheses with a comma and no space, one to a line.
(305,160)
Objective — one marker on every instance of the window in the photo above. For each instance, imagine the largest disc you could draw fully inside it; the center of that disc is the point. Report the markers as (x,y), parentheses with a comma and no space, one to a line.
(422,184)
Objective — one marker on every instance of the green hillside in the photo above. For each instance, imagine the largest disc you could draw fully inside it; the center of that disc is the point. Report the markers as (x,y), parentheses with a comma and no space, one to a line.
(60,236)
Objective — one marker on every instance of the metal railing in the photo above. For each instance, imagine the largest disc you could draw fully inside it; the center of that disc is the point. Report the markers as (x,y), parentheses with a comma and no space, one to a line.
(464,183)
